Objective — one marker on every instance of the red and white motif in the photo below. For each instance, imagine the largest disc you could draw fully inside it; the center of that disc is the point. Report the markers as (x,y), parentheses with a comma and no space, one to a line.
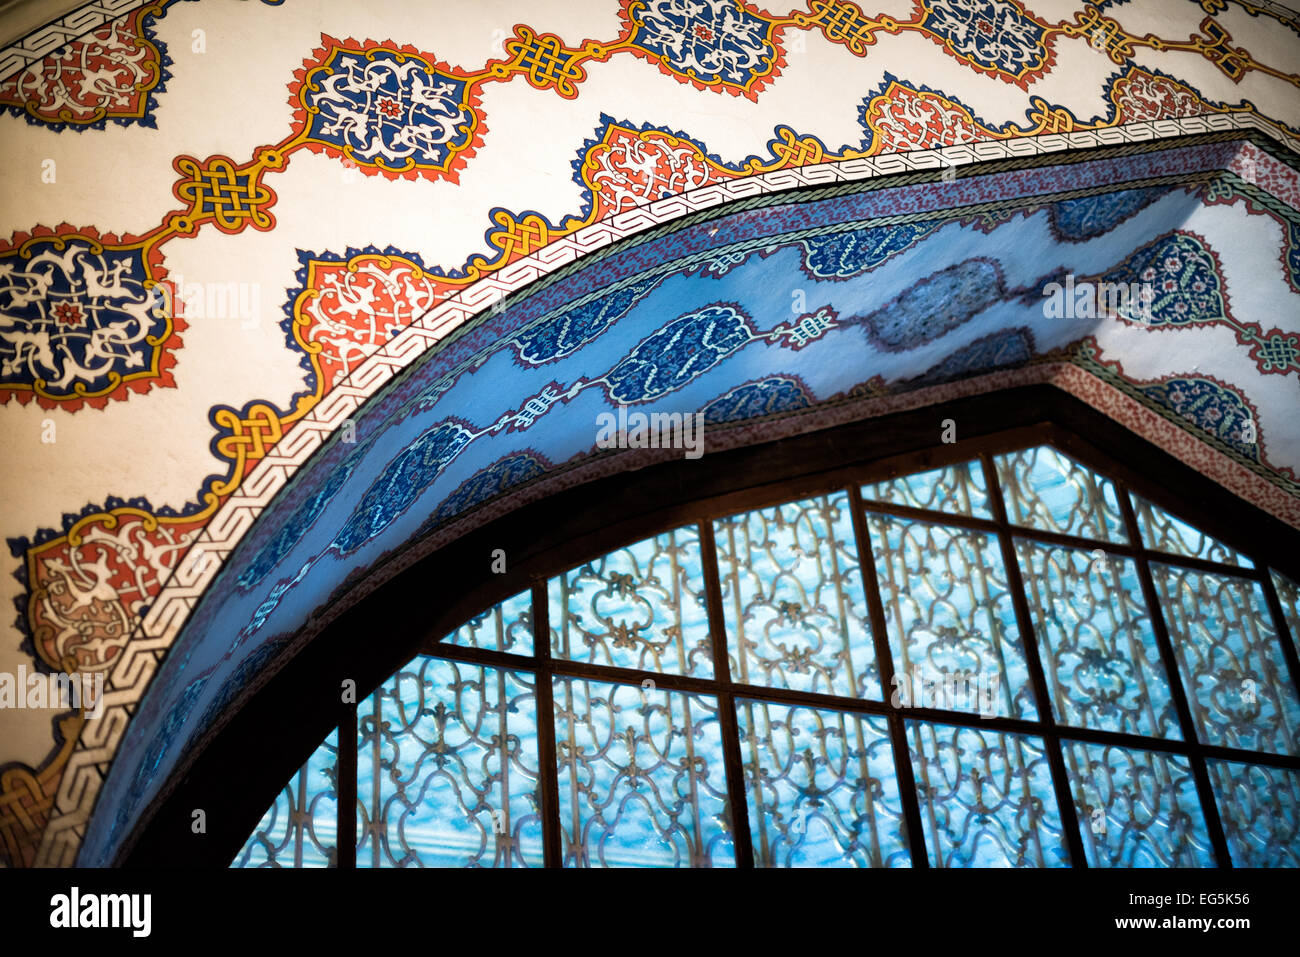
(1142,96)
(1273,176)
(87,598)
(632,168)
(904,119)
(352,308)
(107,73)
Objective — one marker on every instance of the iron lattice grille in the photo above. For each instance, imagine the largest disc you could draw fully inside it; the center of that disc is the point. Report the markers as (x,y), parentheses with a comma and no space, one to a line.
(1010,660)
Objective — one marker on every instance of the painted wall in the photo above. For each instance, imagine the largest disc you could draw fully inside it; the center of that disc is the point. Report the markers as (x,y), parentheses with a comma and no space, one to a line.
(230,226)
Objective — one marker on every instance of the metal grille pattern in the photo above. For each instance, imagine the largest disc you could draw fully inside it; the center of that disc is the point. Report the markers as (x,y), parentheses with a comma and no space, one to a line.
(1006,661)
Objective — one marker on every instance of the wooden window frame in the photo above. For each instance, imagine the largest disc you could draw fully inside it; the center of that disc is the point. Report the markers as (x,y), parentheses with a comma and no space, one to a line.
(243,767)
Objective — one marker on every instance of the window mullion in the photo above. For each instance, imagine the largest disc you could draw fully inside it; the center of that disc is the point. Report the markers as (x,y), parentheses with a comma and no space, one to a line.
(885,668)
(1280,626)
(726,700)
(345,832)
(1029,646)
(1195,757)
(548,773)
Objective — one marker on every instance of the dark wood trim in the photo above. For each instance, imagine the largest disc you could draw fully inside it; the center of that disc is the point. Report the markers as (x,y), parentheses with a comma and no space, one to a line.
(347,787)
(1157,476)
(552,839)
(414,609)
(742,836)
(1037,679)
(1186,722)
(1284,635)
(915,828)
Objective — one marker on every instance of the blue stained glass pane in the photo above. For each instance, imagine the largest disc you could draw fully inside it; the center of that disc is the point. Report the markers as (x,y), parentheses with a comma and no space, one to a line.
(504,627)
(1046,490)
(821,788)
(447,769)
(1260,810)
(1164,532)
(986,798)
(1288,594)
(301,828)
(950,618)
(954,488)
(1230,660)
(1137,808)
(640,607)
(642,779)
(793,599)
(1095,641)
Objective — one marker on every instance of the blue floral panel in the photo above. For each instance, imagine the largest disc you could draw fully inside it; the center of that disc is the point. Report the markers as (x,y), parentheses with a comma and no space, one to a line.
(642,780)
(821,787)
(1230,660)
(301,828)
(447,772)
(1046,490)
(986,798)
(640,607)
(1163,532)
(1095,641)
(793,599)
(1137,808)
(1260,810)
(952,626)
(959,489)
(504,627)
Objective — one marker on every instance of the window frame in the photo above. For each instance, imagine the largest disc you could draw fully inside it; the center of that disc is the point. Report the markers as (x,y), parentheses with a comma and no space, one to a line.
(843,457)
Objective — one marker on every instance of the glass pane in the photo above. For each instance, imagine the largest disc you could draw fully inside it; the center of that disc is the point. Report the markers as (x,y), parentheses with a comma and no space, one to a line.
(504,627)
(1137,808)
(638,607)
(1046,490)
(1095,641)
(793,600)
(1165,533)
(954,488)
(949,616)
(301,828)
(1230,660)
(1260,810)
(821,787)
(986,798)
(1288,593)
(447,769)
(641,777)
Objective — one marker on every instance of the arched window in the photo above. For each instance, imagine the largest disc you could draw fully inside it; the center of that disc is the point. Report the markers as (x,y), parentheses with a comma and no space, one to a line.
(986,654)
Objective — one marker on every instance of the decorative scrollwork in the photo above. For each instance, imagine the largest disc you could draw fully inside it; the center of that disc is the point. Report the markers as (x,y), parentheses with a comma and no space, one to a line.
(793,599)
(1166,533)
(1260,810)
(639,607)
(1045,490)
(504,627)
(949,610)
(1230,659)
(641,777)
(1095,640)
(986,798)
(959,489)
(821,787)
(447,771)
(301,828)
(1137,808)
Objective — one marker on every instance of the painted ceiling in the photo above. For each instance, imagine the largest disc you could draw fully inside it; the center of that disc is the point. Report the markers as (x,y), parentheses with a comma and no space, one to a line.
(293,293)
